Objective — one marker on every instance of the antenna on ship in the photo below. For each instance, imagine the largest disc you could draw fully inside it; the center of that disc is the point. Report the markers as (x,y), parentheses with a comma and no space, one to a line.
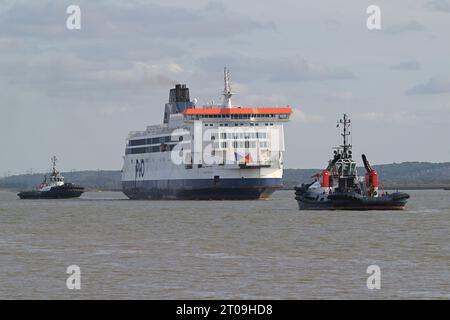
(345,123)
(227,94)
(54,159)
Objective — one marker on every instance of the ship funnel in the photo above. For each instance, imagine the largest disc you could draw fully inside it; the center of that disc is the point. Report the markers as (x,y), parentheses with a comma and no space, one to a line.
(179,101)
(179,94)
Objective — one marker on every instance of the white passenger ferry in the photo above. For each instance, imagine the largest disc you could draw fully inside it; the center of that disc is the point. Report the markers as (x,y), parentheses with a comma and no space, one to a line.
(221,152)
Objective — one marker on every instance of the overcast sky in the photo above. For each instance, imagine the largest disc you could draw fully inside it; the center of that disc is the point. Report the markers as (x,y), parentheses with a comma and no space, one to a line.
(77,93)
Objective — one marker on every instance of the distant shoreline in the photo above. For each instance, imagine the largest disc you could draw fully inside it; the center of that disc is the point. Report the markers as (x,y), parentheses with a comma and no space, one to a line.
(399,187)
(401,176)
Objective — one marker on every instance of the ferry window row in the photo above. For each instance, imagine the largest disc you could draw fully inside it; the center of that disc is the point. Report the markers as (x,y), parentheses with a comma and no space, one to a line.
(236,116)
(240,144)
(237,124)
(160,148)
(141,142)
(243,135)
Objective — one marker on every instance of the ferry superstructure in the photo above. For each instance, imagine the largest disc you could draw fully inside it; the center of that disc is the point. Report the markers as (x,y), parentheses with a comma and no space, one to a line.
(220,152)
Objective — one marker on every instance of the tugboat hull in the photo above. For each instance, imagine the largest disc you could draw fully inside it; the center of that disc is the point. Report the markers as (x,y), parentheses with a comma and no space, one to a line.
(59,192)
(304,204)
(395,201)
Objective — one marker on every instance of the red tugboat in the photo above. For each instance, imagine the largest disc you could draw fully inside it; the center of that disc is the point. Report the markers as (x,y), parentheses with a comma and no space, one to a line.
(339,187)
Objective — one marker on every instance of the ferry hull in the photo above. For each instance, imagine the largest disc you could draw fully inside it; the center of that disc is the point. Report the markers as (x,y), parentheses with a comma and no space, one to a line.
(201,189)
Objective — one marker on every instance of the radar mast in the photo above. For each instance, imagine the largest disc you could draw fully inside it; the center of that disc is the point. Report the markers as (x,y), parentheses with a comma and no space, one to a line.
(345,123)
(227,94)
(54,171)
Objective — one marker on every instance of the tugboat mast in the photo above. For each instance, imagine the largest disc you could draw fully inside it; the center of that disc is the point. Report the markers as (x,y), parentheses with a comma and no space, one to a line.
(54,171)
(345,122)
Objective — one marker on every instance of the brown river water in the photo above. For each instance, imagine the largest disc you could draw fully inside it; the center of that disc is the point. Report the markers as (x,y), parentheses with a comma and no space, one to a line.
(265,249)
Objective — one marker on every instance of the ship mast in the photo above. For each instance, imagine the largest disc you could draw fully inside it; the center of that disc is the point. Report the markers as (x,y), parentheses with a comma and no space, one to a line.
(54,171)
(345,122)
(227,94)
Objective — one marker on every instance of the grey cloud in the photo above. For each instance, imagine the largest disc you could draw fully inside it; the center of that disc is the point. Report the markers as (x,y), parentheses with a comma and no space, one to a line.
(406,65)
(112,52)
(298,70)
(438,5)
(114,19)
(406,27)
(215,7)
(5,5)
(340,96)
(128,49)
(333,25)
(157,21)
(436,85)
(396,117)
(34,19)
(139,74)
(287,69)
(64,74)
